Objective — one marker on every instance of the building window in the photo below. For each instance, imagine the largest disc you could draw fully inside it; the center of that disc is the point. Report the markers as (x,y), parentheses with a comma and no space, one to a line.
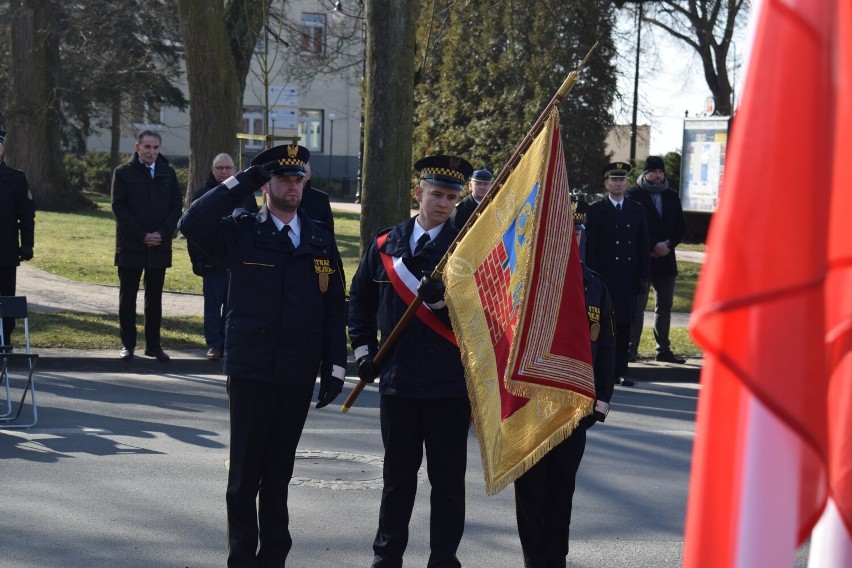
(252,123)
(149,115)
(310,129)
(313,33)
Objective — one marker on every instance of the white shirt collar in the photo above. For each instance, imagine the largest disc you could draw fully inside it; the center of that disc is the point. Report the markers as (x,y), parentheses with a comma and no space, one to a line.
(295,227)
(614,202)
(418,232)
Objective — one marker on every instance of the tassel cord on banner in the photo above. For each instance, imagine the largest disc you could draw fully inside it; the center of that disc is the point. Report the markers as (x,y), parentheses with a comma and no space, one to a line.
(560,95)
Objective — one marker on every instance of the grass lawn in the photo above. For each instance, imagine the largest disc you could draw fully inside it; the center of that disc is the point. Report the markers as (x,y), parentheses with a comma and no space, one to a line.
(81,246)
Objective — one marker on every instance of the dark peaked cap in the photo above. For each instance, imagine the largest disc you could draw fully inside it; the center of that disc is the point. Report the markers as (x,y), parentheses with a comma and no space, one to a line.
(446,171)
(291,159)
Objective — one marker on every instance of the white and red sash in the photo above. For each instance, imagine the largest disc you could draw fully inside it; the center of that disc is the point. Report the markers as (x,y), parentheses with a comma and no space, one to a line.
(405,285)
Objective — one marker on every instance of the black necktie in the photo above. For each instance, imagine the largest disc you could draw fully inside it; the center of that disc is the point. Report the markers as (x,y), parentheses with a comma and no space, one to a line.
(618,206)
(288,242)
(421,242)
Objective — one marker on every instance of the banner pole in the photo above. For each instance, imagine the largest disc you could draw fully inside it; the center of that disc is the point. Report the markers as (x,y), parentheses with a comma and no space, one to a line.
(560,95)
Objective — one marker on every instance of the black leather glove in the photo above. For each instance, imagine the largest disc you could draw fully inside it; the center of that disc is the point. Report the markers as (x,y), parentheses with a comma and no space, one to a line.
(593,418)
(367,372)
(198,268)
(26,253)
(258,174)
(432,291)
(329,389)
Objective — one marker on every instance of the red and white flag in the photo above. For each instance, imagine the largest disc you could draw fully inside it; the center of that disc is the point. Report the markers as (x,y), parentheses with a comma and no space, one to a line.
(773,309)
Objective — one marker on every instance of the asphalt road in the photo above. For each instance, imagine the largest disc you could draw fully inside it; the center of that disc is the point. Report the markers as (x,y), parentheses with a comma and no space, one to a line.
(129,470)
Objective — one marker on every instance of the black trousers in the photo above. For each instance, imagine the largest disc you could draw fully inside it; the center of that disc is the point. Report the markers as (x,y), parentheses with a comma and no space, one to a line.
(266,424)
(128,279)
(543,499)
(409,424)
(7,288)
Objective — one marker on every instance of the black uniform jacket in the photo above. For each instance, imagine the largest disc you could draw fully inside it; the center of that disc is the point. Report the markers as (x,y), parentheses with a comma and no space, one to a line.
(421,364)
(617,249)
(670,227)
(286,309)
(142,204)
(464,209)
(602,333)
(316,204)
(17,215)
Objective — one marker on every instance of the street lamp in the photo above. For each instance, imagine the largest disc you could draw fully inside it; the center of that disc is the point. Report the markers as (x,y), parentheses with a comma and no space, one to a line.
(339,9)
(331,117)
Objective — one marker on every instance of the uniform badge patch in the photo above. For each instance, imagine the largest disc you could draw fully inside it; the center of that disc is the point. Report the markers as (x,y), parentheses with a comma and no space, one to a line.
(322,266)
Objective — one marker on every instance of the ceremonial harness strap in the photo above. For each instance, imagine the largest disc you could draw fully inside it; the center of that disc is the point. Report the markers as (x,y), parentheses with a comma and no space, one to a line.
(405,285)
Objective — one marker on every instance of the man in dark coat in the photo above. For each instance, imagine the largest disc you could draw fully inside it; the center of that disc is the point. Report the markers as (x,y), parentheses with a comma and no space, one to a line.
(146,202)
(617,249)
(423,393)
(544,494)
(17,230)
(666,228)
(212,270)
(286,320)
(315,202)
(479,184)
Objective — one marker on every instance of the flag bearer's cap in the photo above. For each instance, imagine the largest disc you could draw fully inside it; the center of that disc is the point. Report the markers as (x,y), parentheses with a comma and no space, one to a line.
(446,171)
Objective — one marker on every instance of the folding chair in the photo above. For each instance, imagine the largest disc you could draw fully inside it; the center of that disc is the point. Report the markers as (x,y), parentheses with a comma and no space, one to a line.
(16,307)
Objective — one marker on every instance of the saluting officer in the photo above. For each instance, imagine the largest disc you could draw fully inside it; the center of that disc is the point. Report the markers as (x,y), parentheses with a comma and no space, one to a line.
(479,184)
(423,393)
(617,249)
(286,319)
(544,494)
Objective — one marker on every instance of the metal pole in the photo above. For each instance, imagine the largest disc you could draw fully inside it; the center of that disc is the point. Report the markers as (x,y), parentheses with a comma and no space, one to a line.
(633,126)
(331,118)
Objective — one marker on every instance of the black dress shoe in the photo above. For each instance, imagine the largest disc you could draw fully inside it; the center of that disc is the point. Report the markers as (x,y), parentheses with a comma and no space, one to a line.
(126,353)
(159,354)
(624,381)
(214,353)
(669,357)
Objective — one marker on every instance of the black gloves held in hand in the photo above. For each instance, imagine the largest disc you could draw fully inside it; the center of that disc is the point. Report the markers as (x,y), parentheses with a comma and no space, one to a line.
(367,372)
(26,253)
(432,291)
(590,420)
(329,389)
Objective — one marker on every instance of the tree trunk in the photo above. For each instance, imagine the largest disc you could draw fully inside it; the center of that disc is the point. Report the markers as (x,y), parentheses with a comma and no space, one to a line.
(115,134)
(218,49)
(389,120)
(33,142)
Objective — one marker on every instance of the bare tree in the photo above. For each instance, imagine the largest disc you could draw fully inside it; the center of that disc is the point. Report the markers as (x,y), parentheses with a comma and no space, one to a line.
(389,122)
(32,114)
(708,27)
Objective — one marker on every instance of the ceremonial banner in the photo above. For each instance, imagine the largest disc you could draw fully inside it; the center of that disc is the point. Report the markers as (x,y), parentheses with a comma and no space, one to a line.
(773,310)
(516,299)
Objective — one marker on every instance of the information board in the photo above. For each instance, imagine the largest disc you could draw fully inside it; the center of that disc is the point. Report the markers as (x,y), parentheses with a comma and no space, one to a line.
(702,168)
